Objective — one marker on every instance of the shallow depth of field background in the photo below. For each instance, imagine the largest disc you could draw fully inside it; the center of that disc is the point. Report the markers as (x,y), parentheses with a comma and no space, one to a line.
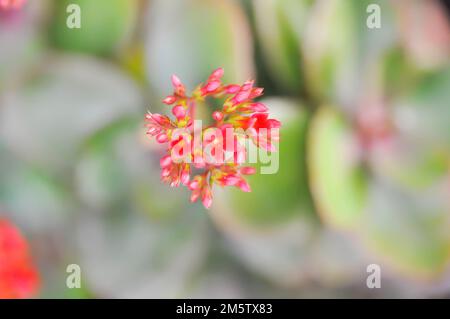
(364,156)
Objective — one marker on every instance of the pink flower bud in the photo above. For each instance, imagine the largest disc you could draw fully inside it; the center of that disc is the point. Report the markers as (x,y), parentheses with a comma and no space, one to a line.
(248,170)
(218,116)
(179,112)
(212,86)
(247,86)
(175,183)
(176,81)
(258,107)
(207,198)
(207,201)
(179,87)
(231,89)
(165,161)
(159,119)
(162,138)
(194,196)
(194,185)
(244,186)
(241,97)
(185,176)
(165,172)
(231,180)
(256,92)
(169,100)
(217,74)
(152,131)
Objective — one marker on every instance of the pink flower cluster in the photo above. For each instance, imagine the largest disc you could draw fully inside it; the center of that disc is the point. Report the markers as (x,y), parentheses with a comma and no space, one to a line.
(238,111)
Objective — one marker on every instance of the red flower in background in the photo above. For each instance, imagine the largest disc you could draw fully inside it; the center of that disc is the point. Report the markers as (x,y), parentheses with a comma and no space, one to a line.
(239,120)
(18,276)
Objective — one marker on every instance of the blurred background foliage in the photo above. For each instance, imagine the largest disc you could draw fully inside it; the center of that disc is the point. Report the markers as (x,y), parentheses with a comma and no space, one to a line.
(364,173)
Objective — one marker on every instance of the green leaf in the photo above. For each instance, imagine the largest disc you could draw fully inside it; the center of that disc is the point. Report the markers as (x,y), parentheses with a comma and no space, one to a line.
(45,119)
(33,197)
(156,259)
(411,166)
(408,229)
(104,25)
(340,51)
(337,181)
(282,196)
(279,26)
(114,169)
(194,37)
(424,114)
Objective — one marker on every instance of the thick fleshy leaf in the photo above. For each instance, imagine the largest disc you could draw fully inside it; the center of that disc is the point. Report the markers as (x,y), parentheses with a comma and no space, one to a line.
(101,176)
(270,228)
(194,37)
(340,51)
(336,259)
(424,113)
(280,25)
(105,24)
(283,194)
(337,181)
(45,119)
(418,153)
(114,168)
(32,197)
(409,165)
(279,254)
(409,230)
(156,260)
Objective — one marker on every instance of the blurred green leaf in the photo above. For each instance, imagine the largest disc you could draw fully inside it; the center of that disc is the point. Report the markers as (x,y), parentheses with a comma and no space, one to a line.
(340,51)
(33,197)
(46,119)
(270,228)
(115,168)
(104,25)
(408,230)
(419,152)
(410,166)
(101,177)
(280,25)
(336,260)
(156,259)
(424,113)
(337,181)
(278,254)
(284,195)
(192,38)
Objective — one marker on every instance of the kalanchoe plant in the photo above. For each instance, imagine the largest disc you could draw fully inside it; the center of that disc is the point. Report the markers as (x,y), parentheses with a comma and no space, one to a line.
(246,120)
